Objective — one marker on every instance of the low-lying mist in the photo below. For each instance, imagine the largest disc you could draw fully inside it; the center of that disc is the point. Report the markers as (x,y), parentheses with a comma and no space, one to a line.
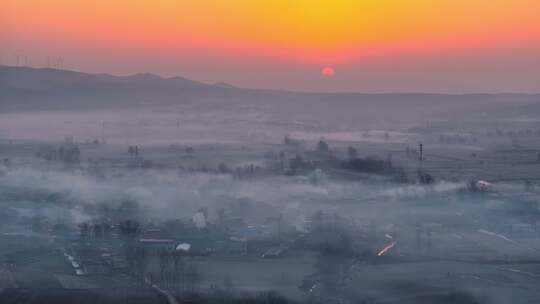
(170,194)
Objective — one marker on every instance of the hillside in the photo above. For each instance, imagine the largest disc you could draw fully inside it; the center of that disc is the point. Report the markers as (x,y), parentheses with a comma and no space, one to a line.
(25,89)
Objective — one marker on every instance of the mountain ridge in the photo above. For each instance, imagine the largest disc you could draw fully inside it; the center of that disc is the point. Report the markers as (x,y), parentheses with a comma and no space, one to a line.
(26,88)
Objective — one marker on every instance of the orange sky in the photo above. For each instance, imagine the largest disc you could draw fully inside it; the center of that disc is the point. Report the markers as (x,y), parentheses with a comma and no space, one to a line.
(293,34)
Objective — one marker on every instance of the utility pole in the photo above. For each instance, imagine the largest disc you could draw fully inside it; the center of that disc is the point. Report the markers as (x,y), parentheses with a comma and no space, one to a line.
(421,146)
(280,218)
(103,132)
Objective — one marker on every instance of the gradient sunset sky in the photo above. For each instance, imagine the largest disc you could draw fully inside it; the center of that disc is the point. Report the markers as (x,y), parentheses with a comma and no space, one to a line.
(454,46)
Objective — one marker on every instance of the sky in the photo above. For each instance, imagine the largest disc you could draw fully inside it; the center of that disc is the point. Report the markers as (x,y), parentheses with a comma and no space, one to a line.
(449,46)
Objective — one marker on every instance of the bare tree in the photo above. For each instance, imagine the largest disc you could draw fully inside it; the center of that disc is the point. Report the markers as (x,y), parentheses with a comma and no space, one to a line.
(193,276)
(163,257)
(352,153)
(141,262)
(179,270)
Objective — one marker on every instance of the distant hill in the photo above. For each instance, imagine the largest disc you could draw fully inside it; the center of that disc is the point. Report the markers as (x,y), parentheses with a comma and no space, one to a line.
(47,79)
(21,87)
(26,89)
(224,85)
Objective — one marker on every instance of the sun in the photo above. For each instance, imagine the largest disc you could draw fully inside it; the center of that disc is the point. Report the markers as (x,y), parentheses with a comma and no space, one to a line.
(327,72)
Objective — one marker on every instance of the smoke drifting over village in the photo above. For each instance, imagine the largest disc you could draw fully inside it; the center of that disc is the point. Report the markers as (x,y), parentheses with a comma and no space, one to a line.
(142,189)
